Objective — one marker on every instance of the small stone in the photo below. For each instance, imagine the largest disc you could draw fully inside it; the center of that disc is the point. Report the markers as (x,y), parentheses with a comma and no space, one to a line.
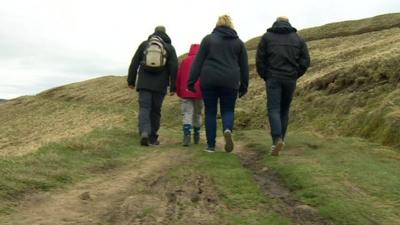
(306,210)
(85,196)
(195,197)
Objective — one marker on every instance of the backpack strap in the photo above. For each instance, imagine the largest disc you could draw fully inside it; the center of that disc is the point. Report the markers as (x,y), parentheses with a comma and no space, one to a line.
(165,46)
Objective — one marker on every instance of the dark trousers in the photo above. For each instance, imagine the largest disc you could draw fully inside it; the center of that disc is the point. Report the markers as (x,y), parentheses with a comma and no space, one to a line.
(150,104)
(227,100)
(279,97)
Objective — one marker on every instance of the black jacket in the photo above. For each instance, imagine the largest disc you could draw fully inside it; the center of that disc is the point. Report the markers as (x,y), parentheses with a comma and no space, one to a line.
(157,81)
(282,53)
(221,61)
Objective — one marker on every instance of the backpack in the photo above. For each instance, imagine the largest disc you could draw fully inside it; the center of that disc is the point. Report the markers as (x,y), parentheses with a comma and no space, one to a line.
(155,54)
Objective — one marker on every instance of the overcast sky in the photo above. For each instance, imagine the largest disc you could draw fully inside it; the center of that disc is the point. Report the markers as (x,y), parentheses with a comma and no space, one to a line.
(48,43)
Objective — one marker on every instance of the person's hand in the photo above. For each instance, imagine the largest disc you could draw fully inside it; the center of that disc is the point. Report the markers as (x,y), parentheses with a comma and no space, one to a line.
(171,93)
(131,86)
(191,88)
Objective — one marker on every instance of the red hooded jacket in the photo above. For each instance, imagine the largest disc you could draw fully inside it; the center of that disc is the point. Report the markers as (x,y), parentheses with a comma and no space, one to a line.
(184,73)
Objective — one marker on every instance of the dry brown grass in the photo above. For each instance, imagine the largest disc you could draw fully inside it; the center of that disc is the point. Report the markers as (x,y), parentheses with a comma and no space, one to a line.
(336,55)
(73,110)
(343,29)
(108,90)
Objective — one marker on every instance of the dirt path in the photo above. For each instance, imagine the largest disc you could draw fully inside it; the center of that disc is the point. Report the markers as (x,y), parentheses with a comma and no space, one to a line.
(145,193)
(138,194)
(274,188)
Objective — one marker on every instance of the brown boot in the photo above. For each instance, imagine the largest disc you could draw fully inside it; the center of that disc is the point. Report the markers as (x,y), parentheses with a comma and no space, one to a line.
(275,149)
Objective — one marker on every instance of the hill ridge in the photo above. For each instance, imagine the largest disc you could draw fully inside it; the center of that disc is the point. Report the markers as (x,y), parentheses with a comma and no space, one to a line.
(336,29)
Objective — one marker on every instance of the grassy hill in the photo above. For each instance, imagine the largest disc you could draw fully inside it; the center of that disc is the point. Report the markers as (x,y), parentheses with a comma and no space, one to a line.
(352,86)
(343,29)
(335,169)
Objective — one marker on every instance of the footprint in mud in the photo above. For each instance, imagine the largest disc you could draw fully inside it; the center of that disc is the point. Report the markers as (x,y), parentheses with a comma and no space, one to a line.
(138,209)
(195,200)
(162,200)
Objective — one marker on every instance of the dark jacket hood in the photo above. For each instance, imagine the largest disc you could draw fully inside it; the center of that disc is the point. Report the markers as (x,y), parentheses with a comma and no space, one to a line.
(282,27)
(194,48)
(225,32)
(162,35)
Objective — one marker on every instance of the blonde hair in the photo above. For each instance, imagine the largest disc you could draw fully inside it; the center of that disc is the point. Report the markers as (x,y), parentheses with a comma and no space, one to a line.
(226,21)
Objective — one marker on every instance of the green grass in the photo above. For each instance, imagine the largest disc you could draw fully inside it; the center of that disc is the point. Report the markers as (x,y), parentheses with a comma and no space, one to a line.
(58,164)
(372,114)
(349,180)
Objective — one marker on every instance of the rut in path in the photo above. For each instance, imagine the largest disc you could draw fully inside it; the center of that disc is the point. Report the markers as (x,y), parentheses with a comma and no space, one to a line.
(274,188)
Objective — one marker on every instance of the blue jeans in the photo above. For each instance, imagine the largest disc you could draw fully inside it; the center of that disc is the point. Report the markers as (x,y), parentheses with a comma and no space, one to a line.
(279,97)
(227,100)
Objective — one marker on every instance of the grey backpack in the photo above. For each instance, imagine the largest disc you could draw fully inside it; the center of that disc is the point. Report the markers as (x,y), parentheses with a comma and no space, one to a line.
(155,54)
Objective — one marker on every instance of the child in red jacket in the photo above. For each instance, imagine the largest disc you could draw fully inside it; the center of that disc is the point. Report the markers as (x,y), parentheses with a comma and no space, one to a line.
(192,102)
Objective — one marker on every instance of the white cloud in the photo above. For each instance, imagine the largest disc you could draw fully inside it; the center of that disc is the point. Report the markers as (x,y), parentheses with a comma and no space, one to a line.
(45,43)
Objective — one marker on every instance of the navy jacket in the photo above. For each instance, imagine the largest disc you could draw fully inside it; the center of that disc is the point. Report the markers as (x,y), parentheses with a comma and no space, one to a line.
(221,61)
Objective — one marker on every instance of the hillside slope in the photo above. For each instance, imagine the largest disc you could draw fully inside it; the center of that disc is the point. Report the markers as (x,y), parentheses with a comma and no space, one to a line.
(69,111)
(352,86)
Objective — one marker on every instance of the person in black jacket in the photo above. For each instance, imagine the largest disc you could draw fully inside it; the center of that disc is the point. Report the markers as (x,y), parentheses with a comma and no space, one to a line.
(222,67)
(282,57)
(152,86)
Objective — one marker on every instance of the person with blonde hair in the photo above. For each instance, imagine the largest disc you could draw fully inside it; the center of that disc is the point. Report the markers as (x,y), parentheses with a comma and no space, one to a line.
(222,67)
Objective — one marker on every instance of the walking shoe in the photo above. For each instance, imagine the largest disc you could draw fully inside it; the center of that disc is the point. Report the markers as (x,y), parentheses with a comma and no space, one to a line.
(144,139)
(156,142)
(275,149)
(210,149)
(228,140)
(186,140)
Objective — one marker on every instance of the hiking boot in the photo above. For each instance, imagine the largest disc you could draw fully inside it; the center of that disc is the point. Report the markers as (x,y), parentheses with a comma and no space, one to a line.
(144,139)
(228,140)
(186,140)
(275,149)
(210,149)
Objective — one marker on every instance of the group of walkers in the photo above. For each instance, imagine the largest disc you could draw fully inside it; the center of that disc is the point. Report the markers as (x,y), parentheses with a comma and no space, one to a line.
(217,71)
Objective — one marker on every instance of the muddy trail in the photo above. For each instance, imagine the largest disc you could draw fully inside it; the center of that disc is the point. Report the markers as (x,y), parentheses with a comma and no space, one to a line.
(145,193)
(139,194)
(273,187)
